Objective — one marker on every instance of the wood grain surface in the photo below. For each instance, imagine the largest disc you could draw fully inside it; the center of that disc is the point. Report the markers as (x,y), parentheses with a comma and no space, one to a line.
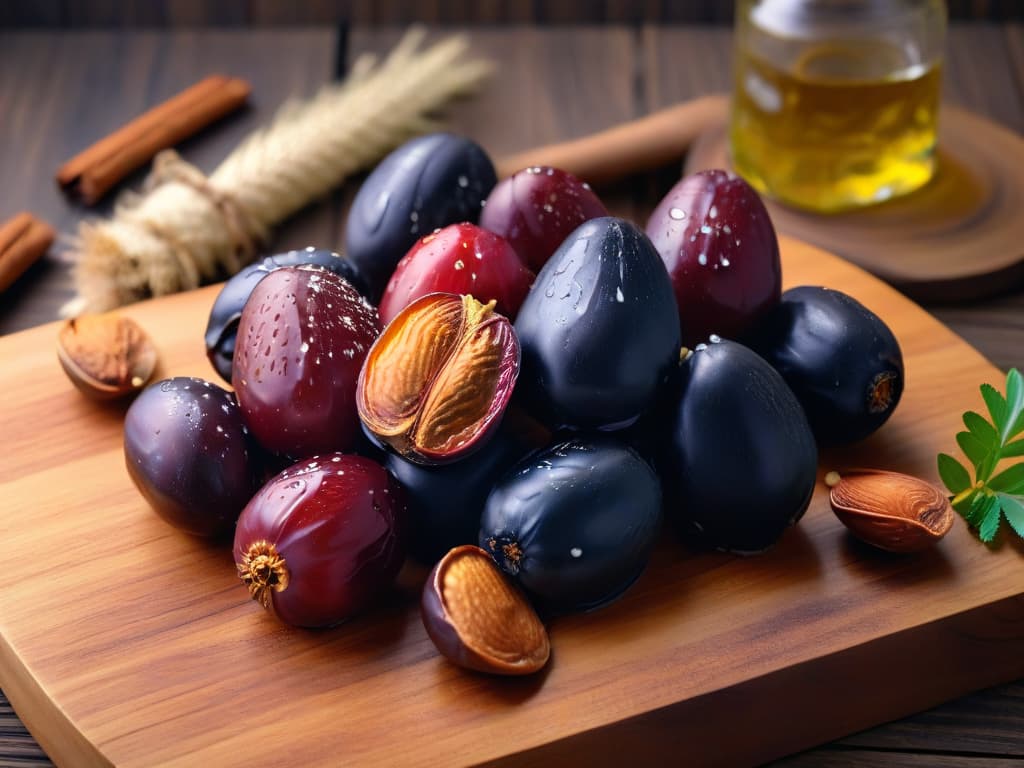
(125,642)
(60,90)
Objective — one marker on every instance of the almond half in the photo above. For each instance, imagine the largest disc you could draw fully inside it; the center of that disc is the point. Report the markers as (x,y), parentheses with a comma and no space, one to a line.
(480,620)
(106,356)
(891,510)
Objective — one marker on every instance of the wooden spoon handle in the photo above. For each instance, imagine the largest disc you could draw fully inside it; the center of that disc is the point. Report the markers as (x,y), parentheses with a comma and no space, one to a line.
(643,144)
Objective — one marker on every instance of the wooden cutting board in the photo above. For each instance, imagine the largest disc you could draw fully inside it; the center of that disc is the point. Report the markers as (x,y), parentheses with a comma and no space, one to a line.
(125,642)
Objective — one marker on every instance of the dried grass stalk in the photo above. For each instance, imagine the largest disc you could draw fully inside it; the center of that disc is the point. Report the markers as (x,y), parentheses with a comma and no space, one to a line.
(185,229)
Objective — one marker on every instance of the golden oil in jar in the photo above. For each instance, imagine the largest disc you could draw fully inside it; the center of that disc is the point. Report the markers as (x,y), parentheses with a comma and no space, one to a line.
(838,122)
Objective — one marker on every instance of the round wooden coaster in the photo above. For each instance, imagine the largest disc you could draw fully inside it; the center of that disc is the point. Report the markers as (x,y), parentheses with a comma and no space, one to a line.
(959,237)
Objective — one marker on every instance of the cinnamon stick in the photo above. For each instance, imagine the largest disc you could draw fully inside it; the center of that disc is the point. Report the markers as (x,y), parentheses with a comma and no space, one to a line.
(23,239)
(90,174)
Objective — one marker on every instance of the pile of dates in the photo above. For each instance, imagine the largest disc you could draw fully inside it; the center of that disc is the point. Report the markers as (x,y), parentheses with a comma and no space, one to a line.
(514,388)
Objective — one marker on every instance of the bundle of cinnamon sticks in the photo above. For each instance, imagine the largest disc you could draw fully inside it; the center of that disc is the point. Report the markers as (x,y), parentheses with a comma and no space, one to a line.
(90,174)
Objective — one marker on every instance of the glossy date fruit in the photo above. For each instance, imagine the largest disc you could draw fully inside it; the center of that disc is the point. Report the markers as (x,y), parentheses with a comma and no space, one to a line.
(840,359)
(436,383)
(427,183)
(719,246)
(321,540)
(477,619)
(537,208)
(574,524)
(461,258)
(445,502)
(740,461)
(302,339)
(188,453)
(599,329)
(222,328)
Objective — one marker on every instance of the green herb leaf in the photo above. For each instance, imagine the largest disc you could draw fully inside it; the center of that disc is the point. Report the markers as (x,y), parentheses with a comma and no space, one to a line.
(953,473)
(980,428)
(976,513)
(964,505)
(989,525)
(1015,405)
(996,405)
(988,466)
(1009,480)
(1013,509)
(1016,448)
(1015,429)
(973,448)
(984,502)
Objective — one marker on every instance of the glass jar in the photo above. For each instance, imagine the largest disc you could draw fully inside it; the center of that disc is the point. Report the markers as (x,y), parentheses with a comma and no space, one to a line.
(835,102)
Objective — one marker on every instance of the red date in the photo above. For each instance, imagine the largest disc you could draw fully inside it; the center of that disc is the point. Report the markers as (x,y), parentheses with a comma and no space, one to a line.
(302,339)
(460,259)
(720,249)
(322,539)
(537,208)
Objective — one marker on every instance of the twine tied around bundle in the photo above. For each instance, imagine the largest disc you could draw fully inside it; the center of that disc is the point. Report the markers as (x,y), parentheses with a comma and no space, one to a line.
(184,229)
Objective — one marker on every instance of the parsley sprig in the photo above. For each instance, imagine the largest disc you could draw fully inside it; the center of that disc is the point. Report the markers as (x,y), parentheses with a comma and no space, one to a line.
(984,502)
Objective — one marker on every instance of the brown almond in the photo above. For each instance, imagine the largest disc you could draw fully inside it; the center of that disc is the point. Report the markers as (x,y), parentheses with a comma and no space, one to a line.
(106,356)
(480,620)
(891,510)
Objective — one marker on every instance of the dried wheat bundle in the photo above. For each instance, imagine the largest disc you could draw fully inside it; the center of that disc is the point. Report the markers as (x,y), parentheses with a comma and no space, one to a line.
(185,229)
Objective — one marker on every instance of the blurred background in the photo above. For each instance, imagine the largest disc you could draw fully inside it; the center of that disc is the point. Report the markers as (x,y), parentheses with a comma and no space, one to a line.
(148,13)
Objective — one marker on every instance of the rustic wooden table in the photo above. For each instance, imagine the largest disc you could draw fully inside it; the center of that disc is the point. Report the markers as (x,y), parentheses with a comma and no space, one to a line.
(61,90)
